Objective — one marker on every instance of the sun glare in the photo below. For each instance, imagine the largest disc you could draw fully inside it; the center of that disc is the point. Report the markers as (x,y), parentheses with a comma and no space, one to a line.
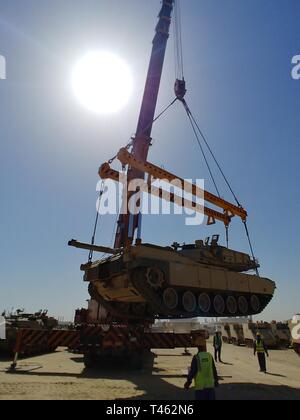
(102,82)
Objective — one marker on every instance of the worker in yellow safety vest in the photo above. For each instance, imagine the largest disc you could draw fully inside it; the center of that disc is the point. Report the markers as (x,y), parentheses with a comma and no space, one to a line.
(261,350)
(204,373)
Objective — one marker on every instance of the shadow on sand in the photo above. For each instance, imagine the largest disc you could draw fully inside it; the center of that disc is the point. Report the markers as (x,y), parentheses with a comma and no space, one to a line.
(155,384)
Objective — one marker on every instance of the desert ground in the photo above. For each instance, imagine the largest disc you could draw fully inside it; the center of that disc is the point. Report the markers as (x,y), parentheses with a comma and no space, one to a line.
(62,376)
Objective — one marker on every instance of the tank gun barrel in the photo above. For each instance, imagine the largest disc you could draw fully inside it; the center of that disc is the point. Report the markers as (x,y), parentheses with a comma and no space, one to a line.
(89,247)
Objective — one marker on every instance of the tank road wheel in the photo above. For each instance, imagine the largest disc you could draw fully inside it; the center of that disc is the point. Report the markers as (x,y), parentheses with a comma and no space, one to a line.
(219,305)
(155,278)
(243,305)
(255,303)
(170,298)
(231,305)
(189,302)
(204,303)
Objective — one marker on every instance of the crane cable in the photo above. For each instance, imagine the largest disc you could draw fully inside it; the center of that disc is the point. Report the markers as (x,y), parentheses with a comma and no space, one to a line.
(145,129)
(178,46)
(195,126)
(200,146)
(212,153)
(102,189)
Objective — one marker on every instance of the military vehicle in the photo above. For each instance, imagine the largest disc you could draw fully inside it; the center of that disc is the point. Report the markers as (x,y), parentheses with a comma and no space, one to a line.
(265,329)
(204,279)
(38,321)
(282,334)
(226,333)
(237,334)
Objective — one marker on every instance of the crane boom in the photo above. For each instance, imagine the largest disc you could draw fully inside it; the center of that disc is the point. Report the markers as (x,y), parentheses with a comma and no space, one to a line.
(128,159)
(142,138)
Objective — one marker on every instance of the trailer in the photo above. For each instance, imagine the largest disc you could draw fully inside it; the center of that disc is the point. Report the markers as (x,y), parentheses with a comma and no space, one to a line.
(282,334)
(125,344)
(37,324)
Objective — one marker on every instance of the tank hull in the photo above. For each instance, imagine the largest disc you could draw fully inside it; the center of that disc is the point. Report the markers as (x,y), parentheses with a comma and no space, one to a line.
(147,280)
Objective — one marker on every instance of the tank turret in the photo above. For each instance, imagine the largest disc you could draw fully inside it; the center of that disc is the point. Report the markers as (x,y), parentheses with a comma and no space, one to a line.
(210,252)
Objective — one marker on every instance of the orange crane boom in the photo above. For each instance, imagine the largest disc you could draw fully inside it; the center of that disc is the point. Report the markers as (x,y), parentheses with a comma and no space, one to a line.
(230,209)
(106,172)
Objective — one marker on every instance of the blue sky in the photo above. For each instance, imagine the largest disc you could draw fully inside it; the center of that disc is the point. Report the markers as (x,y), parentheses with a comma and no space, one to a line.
(238,68)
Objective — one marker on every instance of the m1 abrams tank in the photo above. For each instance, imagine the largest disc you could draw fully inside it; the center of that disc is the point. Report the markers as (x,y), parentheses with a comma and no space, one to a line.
(204,279)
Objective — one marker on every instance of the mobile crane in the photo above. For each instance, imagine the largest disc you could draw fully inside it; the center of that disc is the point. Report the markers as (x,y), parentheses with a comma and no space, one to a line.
(142,281)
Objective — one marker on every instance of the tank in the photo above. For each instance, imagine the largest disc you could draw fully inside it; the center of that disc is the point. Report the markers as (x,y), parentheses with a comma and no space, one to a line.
(199,280)
(38,321)
(295,332)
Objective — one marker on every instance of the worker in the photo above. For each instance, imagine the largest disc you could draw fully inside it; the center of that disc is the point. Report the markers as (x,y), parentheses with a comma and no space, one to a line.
(204,373)
(261,350)
(218,342)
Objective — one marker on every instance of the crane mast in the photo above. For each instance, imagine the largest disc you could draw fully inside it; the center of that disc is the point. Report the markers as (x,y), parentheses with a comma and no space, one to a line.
(127,223)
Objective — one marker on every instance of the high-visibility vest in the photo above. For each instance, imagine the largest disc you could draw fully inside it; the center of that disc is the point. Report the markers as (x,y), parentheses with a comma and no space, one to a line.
(217,341)
(205,375)
(260,346)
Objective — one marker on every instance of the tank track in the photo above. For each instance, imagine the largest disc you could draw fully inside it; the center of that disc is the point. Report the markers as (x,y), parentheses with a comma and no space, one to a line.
(160,311)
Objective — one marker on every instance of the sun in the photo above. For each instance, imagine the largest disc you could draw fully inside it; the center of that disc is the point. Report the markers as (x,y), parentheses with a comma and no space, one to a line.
(102,82)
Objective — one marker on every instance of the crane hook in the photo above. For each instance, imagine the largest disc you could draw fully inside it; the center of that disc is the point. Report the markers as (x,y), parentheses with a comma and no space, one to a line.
(180,89)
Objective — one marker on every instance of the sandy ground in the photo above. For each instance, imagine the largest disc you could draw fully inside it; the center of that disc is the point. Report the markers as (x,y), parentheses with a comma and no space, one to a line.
(62,376)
